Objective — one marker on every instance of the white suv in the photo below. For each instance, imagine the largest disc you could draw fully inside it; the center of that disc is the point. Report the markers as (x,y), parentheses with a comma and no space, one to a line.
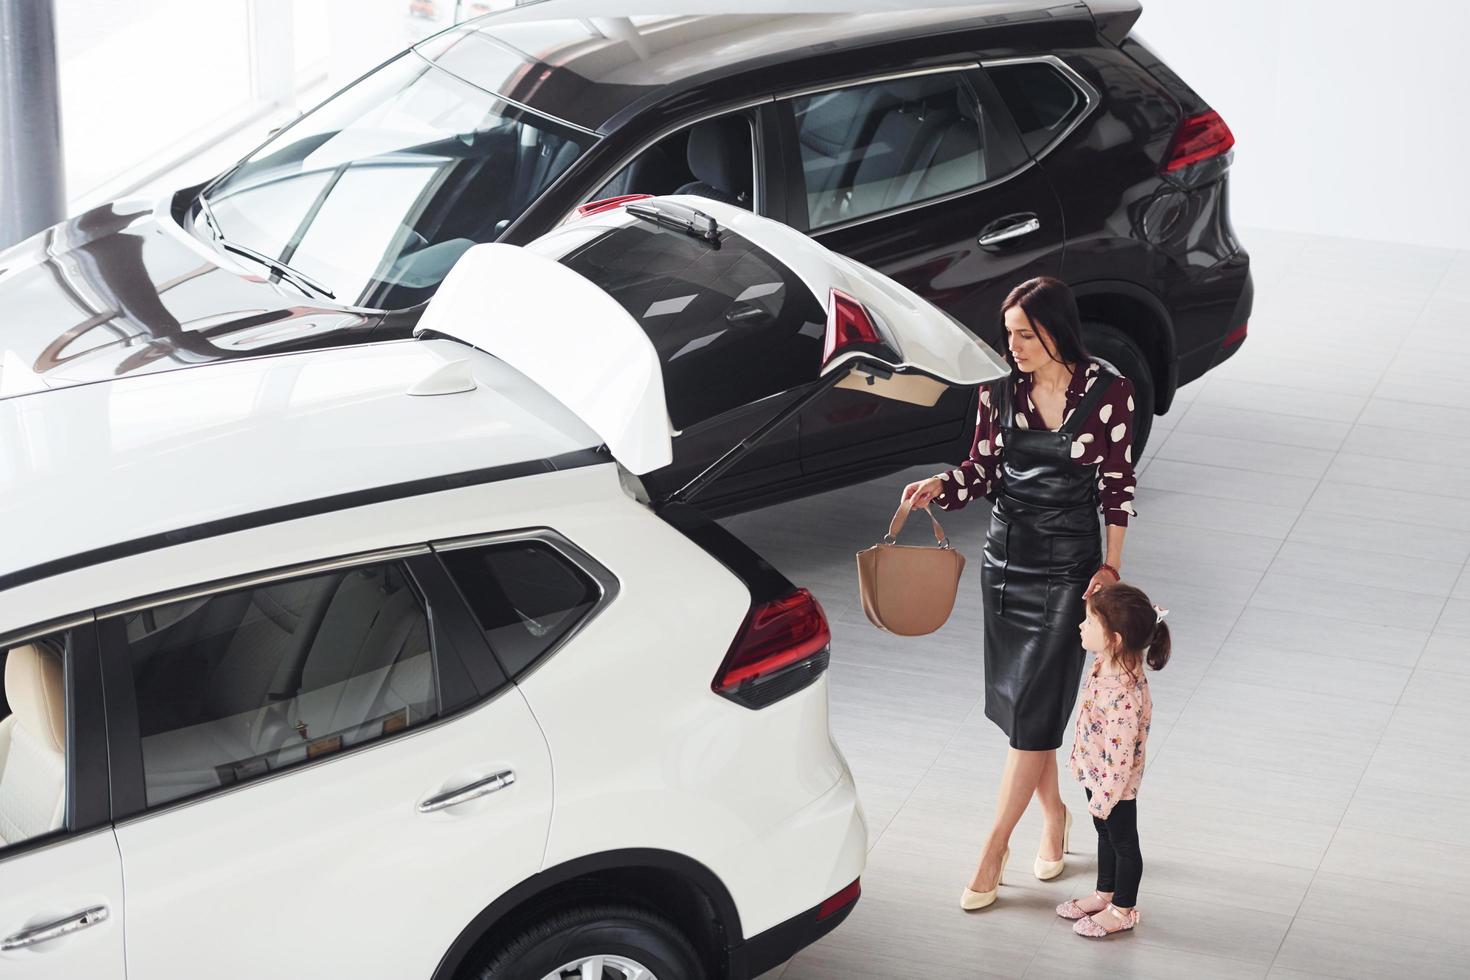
(377,662)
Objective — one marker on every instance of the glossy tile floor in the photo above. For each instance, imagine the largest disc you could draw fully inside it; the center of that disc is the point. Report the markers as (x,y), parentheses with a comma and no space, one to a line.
(1305,514)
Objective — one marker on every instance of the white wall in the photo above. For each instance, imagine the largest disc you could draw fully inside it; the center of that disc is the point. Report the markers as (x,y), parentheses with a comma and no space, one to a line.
(1350,118)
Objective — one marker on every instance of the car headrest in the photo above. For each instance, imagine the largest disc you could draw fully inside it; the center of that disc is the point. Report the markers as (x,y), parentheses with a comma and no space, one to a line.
(34,686)
(719,154)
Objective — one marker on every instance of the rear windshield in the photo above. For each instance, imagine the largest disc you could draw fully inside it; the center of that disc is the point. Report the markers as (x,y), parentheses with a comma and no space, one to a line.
(730,322)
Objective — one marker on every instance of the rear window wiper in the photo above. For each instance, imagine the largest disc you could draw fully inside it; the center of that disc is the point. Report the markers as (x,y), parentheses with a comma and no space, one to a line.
(690,221)
(298,278)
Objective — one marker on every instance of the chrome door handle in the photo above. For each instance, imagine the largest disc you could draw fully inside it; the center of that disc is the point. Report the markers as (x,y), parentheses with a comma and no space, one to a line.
(54,930)
(1005,234)
(475,790)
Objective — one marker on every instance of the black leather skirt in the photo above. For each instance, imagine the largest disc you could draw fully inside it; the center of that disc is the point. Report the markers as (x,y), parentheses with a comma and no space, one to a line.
(1038,561)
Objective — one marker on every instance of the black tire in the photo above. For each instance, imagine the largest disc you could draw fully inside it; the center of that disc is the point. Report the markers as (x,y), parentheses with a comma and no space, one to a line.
(609,930)
(1119,350)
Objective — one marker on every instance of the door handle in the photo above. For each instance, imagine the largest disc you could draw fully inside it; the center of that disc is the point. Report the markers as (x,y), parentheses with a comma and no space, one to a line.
(54,930)
(1025,225)
(475,790)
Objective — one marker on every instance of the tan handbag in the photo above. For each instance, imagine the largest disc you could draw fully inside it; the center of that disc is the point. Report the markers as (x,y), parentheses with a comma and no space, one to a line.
(908,590)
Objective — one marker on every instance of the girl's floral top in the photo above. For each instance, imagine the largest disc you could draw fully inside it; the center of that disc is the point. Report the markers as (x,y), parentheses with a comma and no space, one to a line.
(1105,441)
(1108,744)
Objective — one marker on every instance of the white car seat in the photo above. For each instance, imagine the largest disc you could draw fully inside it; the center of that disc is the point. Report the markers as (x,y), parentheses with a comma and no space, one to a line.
(32,745)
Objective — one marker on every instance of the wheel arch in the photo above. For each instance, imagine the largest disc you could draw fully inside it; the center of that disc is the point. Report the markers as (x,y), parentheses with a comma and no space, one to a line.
(673,884)
(1140,315)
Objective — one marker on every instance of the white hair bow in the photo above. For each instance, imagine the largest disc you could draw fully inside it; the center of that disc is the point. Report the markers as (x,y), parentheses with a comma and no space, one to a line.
(1160,612)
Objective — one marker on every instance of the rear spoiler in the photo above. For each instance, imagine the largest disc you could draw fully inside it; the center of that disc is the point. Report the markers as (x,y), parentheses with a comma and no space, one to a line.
(1115,18)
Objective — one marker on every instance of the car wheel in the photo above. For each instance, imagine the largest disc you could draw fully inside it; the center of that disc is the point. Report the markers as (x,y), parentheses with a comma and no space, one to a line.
(1119,350)
(599,942)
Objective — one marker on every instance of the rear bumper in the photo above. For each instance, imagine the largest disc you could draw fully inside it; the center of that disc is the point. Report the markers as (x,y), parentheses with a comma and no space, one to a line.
(1231,282)
(776,945)
(798,865)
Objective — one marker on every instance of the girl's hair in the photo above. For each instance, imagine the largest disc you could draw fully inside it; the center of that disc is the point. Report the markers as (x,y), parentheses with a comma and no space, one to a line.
(1049,304)
(1126,611)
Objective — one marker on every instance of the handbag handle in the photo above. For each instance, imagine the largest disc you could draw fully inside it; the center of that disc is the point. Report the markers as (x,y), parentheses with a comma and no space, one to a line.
(902,515)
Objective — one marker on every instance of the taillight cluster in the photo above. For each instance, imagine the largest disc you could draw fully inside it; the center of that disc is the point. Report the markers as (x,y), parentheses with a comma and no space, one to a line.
(1201,138)
(851,326)
(782,647)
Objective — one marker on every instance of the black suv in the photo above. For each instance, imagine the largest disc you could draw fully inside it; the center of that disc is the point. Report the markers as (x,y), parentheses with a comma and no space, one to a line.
(958,149)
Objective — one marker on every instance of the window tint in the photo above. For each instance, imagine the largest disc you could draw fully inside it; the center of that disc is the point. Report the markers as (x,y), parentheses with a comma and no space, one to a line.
(870,148)
(711,159)
(731,324)
(33,744)
(240,684)
(527,596)
(1041,100)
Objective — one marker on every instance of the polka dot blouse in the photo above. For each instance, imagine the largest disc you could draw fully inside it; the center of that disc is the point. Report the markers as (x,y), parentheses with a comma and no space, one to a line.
(1104,441)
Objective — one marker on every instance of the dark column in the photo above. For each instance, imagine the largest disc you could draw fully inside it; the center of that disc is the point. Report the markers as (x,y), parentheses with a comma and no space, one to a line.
(32,181)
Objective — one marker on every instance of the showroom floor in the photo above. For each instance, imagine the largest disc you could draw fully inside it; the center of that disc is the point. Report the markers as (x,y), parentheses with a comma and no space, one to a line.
(1304,511)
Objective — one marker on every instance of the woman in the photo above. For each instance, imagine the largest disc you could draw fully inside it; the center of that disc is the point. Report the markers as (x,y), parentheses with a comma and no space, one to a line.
(1053,446)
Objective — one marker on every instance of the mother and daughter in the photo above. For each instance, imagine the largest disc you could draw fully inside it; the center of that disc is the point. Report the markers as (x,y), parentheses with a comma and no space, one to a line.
(1053,447)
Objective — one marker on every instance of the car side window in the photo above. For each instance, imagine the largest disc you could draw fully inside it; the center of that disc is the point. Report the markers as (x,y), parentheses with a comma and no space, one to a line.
(1042,101)
(713,159)
(871,148)
(240,684)
(730,322)
(33,740)
(527,595)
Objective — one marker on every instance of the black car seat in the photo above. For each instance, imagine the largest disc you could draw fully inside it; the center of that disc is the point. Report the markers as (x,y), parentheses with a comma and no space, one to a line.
(719,158)
(651,172)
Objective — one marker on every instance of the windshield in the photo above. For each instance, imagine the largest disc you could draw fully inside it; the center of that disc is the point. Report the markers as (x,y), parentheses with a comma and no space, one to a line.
(378,191)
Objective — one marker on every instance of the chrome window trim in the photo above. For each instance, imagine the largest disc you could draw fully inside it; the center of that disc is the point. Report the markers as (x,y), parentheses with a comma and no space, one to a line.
(1089,94)
(506,99)
(757,198)
(255,579)
(608,585)
(25,634)
(891,76)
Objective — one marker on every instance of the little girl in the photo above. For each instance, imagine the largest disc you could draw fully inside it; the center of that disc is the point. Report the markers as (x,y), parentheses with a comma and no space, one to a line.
(1122,629)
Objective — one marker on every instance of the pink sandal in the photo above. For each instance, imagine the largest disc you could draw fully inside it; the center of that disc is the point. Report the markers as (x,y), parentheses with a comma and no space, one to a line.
(1093,929)
(1071,910)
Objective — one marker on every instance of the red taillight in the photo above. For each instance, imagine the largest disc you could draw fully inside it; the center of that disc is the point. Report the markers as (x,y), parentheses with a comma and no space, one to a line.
(1236,336)
(608,203)
(1200,137)
(776,636)
(848,323)
(840,901)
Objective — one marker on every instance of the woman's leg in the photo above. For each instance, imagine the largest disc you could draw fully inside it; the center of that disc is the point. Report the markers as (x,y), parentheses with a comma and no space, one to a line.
(1053,810)
(1017,784)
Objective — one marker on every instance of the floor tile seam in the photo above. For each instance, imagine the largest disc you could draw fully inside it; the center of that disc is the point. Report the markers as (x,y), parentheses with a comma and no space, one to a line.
(1243,469)
(927,770)
(1343,656)
(1379,550)
(1378,740)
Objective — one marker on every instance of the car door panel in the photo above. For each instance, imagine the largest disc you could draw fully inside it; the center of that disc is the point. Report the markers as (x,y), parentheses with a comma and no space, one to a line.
(931,244)
(54,884)
(366,862)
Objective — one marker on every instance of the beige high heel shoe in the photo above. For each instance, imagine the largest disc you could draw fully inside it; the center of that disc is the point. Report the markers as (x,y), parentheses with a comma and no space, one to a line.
(1047,870)
(973,901)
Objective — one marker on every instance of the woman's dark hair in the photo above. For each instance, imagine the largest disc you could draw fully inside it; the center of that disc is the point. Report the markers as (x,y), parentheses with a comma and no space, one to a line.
(1049,304)
(1125,610)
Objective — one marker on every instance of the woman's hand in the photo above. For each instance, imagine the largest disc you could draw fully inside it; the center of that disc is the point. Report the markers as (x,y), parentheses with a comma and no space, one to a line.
(922,492)
(1101,577)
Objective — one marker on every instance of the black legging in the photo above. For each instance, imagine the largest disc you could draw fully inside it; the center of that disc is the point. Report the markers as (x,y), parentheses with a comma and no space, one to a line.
(1119,861)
